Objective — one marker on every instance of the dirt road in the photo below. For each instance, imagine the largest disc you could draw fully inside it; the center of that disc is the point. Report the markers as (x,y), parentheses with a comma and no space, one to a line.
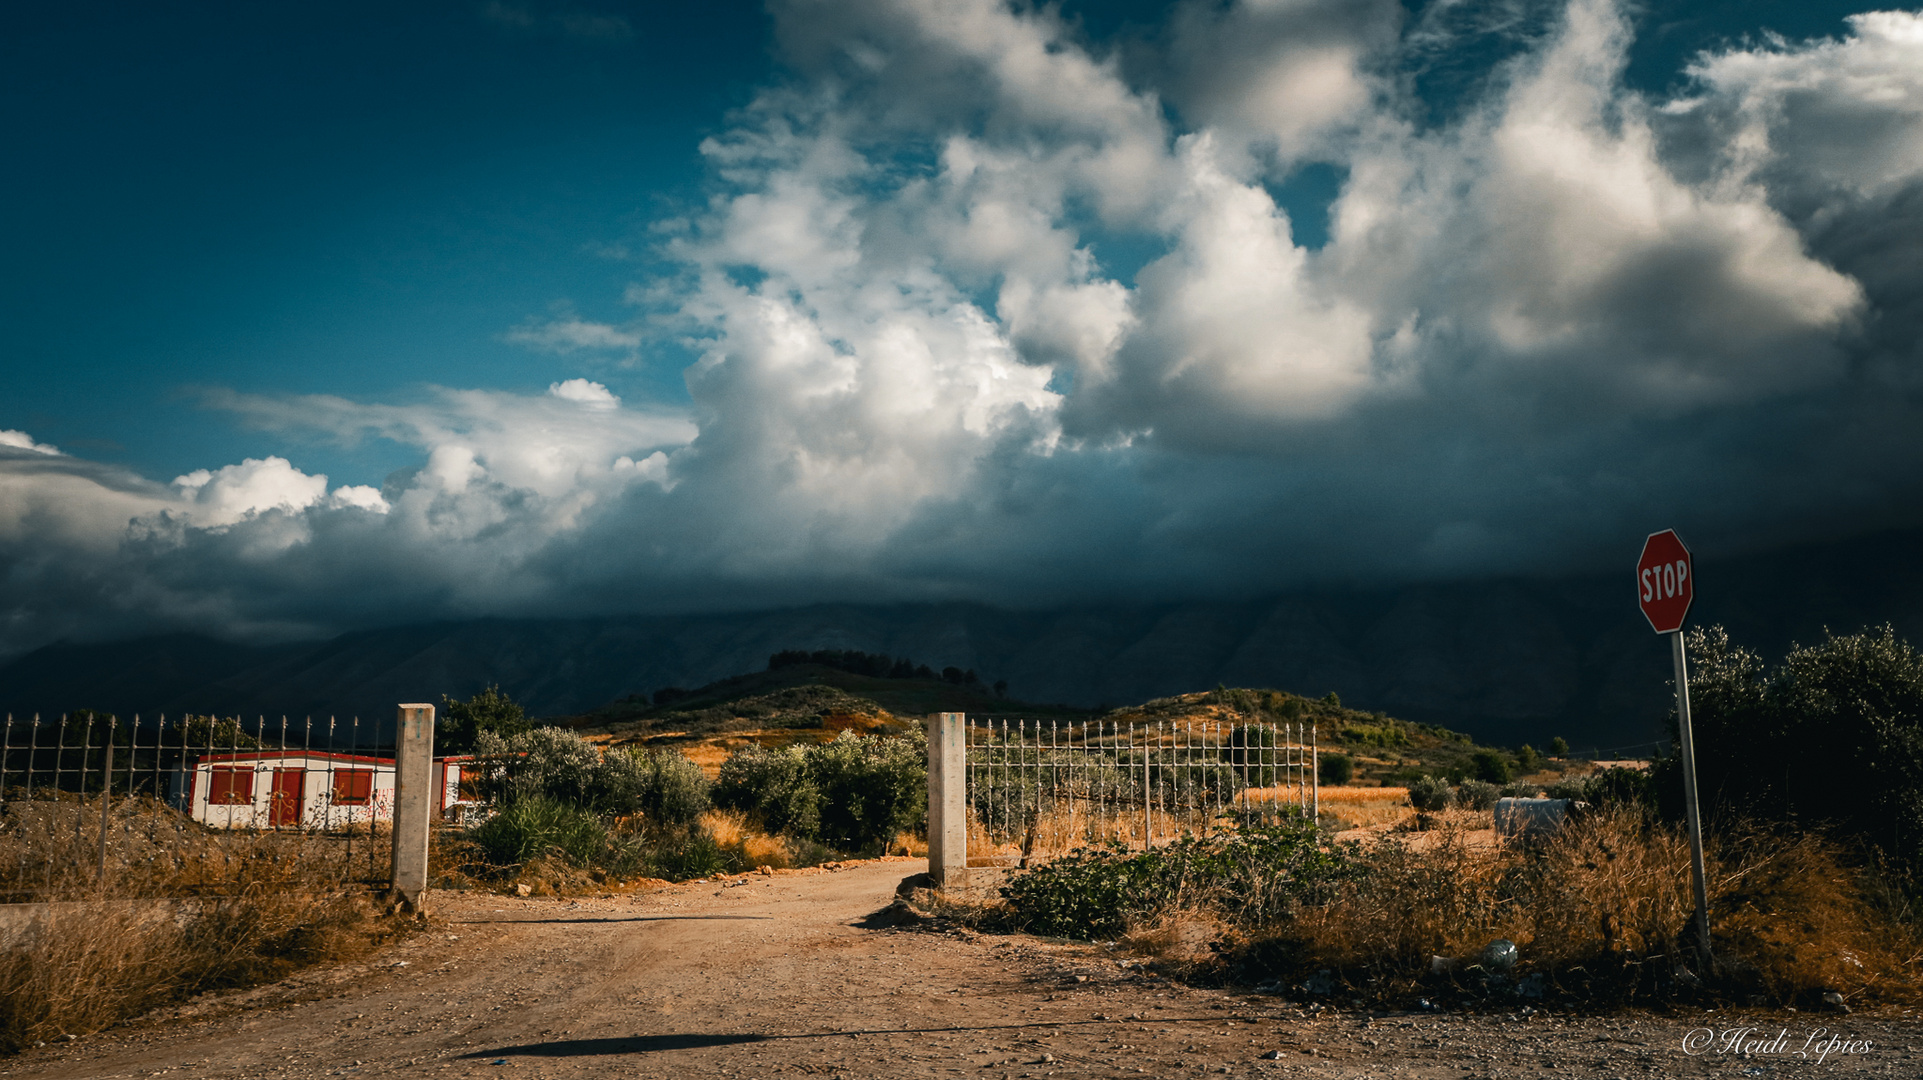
(772,977)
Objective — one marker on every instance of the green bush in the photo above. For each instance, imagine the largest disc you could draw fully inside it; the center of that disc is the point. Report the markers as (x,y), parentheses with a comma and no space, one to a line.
(772,786)
(557,765)
(1558,747)
(548,763)
(1527,760)
(1337,769)
(661,785)
(1258,873)
(1430,794)
(458,727)
(1492,767)
(535,826)
(1477,795)
(871,789)
(680,792)
(694,854)
(856,793)
(1614,786)
(1832,734)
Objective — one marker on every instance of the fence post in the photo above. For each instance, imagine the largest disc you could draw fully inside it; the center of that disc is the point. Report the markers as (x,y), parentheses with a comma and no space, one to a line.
(106,797)
(1315,773)
(413,801)
(948,799)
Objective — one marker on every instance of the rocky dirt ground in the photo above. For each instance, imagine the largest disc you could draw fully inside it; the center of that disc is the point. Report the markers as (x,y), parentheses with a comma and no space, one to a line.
(775,976)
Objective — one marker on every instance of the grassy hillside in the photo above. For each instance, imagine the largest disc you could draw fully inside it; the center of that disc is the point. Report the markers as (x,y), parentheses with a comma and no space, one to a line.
(813,702)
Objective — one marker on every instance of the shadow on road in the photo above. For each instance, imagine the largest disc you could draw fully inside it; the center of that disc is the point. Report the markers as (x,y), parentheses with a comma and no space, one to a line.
(649,1044)
(620,918)
(631,1044)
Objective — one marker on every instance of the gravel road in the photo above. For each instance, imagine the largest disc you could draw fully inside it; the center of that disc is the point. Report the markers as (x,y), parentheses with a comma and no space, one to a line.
(771,976)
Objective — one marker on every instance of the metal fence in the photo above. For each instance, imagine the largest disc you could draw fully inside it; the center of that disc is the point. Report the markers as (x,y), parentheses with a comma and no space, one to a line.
(91,805)
(1036,789)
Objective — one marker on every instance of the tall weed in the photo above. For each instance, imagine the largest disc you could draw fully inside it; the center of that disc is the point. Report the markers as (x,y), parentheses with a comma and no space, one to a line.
(1603,908)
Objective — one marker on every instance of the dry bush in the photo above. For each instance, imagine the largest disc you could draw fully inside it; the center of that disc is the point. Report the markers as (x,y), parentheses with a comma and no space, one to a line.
(1794,917)
(1603,907)
(732,831)
(1443,897)
(79,966)
(181,909)
(1182,939)
(544,876)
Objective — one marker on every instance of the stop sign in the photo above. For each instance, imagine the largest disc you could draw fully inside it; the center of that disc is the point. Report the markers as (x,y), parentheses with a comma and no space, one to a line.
(1665,581)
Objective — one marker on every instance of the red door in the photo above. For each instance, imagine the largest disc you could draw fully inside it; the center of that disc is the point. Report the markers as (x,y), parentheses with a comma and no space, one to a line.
(288,794)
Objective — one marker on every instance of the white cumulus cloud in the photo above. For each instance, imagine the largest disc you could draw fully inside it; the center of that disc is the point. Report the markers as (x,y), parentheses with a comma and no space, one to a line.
(986,310)
(20,440)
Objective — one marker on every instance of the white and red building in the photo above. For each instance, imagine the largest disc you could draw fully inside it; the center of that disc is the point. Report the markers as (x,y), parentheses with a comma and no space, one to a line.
(303,789)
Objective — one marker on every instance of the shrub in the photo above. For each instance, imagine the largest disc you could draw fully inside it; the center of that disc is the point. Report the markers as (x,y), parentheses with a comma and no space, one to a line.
(1492,767)
(213,731)
(1599,909)
(871,788)
(662,785)
(1337,769)
(548,763)
(680,791)
(562,767)
(854,792)
(1615,786)
(696,855)
(773,787)
(1477,795)
(1257,874)
(458,727)
(1430,794)
(534,826)
(1527,760)
(1856,699)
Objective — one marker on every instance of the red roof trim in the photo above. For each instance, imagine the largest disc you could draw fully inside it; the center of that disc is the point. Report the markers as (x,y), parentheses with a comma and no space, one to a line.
(284,755)
(324,755)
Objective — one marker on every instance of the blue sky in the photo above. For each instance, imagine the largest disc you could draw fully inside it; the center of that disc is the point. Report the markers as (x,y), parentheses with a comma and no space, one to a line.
(269,244)
(346,199)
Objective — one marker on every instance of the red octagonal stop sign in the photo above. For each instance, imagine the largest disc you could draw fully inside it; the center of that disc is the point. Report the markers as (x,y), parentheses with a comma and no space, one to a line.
(1665,581)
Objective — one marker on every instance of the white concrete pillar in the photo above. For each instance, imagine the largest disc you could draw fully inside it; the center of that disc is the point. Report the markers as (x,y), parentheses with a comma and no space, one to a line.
(414,799)
(947,799)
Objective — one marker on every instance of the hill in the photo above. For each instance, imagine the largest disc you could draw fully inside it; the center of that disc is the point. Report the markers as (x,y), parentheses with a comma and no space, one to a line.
(810,702)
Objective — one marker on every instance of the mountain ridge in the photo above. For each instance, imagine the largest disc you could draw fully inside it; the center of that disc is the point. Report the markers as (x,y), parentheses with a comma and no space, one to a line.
(1507,660)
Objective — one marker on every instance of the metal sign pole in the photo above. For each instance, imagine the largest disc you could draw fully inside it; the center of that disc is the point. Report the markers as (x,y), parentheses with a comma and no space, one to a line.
(1693,815)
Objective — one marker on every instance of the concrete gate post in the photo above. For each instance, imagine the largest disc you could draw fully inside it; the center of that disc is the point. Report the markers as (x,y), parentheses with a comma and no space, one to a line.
(413,801)
(947,799)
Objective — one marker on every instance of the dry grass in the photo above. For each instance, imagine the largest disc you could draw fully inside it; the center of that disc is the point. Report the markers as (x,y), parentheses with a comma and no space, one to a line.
(1079,825)
(50,850)
(1603,907)
(1183,939)
(181,910)
(72,968)
(730,829)
(1362,807)
(1075,825)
